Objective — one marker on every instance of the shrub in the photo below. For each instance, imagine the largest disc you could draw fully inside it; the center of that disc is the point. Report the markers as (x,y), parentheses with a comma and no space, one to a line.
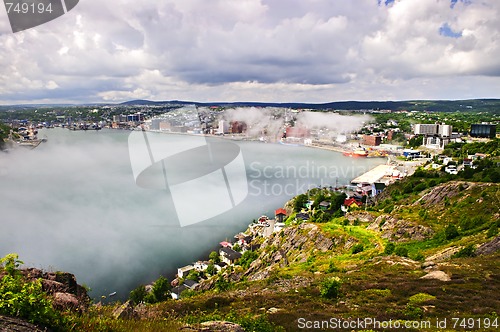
(345,222)
(468,251)
(451,232)
(247,258)
(401,251)
(420,298)
(332,268)
(26,299)
(419,257)
(492,231)
(389,248)
(357,248)
(330,288)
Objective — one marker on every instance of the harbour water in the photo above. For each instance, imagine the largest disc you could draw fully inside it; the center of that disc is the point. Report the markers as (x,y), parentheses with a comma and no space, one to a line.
(73,204)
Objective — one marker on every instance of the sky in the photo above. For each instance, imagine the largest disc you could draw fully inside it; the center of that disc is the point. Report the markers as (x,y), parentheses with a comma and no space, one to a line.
(255,50)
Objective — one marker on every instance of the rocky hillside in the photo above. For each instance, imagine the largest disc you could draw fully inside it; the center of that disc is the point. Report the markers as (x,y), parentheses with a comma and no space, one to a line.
(414,256)
(416,259)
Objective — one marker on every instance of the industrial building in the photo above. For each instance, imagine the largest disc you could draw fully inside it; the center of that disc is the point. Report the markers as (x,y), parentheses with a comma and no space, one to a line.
(483,130)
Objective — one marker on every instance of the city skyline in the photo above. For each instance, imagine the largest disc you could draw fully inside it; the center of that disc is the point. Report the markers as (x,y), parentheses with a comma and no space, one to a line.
(255,50)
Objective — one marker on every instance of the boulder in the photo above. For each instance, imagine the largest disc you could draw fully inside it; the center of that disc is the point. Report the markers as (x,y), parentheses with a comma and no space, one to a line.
(65,301)
(221,327)
(438,275)
(125,311)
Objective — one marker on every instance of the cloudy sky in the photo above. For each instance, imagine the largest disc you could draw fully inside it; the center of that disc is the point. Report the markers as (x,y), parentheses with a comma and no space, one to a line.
(255,50)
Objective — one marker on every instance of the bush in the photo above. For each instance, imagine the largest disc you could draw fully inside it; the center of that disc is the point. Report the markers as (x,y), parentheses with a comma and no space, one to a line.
(419,257)
(332,268)
(357,248)
(468,251)
(330,288)
(401,251)
(389,248)
(492,231)
(26,299)
(247,258)
(451,232)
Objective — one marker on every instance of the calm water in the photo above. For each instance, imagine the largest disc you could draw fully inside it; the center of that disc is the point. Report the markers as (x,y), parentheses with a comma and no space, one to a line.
(72,204)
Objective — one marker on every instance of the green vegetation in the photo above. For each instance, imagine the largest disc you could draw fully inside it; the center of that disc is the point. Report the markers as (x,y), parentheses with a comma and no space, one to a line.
(330,288)
(24,298)
(247,258)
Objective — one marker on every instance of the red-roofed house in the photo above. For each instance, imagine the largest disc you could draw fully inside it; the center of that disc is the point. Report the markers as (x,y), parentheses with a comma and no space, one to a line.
(226,244)
(352,203)
(280,215)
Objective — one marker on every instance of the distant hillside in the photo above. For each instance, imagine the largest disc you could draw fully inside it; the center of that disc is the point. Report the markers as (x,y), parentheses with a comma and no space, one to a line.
(491,105)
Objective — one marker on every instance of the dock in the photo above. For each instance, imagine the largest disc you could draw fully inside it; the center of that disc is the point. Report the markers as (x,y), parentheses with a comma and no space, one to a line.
(376,174)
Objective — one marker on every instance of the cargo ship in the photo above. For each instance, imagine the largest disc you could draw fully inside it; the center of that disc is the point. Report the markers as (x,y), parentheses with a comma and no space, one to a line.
(358,152)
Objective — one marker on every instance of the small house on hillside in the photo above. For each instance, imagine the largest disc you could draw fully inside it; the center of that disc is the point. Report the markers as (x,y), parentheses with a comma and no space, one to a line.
(184,271)
(191,284)
(324,205)
(377,188)
(176,291)
(302,216)
(280,215)
(352,203)
(229,256)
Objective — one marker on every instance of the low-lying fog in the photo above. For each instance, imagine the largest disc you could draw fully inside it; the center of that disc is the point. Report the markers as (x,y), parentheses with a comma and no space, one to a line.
(72,204)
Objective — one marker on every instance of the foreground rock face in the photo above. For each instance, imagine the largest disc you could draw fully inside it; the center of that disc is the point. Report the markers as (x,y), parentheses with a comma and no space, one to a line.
(66,293)
(9,324)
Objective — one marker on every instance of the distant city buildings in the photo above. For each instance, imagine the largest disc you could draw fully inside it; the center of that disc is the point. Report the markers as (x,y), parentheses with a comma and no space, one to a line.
(483,130)
(372,140)
(436,136)
(441,130)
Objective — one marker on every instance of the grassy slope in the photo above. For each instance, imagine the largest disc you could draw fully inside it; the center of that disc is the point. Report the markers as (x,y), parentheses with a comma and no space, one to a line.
(374,285)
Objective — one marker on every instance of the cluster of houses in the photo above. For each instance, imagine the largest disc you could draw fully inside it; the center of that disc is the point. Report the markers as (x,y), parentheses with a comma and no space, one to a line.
(227,254)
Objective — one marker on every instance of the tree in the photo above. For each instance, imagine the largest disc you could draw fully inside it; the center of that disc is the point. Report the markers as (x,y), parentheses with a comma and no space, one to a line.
(161,289)
(193,275)
(138,295)
(237,247)
(211,269)
(299,202)
(214,257)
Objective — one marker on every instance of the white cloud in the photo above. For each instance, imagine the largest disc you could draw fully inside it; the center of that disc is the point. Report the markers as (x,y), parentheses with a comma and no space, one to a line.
(263,50)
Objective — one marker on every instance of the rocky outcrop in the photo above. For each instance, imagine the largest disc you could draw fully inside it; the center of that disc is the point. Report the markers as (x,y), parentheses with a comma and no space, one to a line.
(440,193)
(10,324)
(214,326)
(398,230)
(293,244)
(61,286)
(125,311)
(489,248)
(361,216)
(443,255)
